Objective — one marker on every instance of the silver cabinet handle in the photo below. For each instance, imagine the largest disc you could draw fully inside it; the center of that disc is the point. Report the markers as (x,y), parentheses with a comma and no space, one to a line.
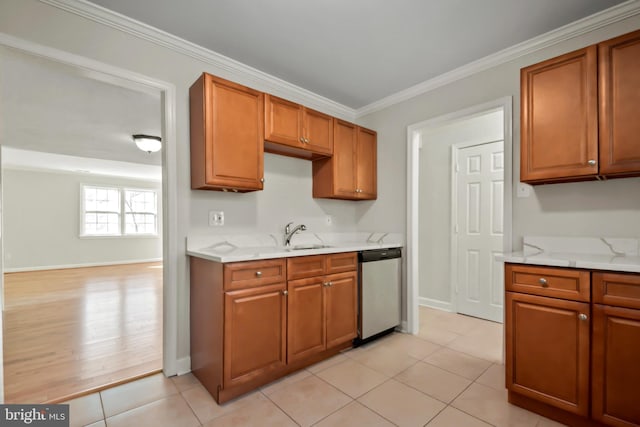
(330,284)
(592,162)
(327,284)
(302,140)
(258,273)
(543,282)
(582,316)
(306,140)
(261,179)
(285,292)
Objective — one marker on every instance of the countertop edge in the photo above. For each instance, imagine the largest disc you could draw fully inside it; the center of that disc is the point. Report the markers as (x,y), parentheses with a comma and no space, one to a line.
(289,253)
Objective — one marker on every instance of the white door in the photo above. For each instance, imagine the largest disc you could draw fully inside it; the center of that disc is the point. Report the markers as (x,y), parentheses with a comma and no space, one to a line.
(479,214)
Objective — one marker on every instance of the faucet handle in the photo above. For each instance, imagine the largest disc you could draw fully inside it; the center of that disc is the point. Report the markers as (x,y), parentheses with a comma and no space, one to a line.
(303,227)
(287,228)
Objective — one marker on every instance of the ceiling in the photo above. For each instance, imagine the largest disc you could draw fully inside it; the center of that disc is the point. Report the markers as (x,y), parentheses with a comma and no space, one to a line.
(356,52)
(85,122)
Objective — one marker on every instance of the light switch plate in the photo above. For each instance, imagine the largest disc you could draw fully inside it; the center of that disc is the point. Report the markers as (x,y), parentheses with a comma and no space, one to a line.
(216,218)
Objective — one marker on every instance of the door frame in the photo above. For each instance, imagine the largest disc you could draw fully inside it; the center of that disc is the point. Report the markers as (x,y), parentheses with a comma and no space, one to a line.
(453,260)
(414,143)
(132,80)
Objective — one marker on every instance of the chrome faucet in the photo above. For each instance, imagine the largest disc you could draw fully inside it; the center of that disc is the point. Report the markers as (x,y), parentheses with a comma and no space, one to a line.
(288,232)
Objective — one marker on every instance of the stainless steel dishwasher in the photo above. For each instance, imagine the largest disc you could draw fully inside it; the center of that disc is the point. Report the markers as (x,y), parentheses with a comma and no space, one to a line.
(379,282)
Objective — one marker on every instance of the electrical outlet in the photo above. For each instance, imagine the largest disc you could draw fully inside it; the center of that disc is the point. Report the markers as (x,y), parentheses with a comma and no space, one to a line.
(216,218)
(523,190)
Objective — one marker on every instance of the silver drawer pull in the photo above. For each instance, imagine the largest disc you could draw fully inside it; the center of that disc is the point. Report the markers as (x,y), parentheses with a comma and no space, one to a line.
(543,282)
(582,316)
(285,293)
(592,162)
(258,273)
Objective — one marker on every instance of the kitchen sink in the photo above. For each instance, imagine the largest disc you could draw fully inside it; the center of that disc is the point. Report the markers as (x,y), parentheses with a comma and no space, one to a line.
(310,246)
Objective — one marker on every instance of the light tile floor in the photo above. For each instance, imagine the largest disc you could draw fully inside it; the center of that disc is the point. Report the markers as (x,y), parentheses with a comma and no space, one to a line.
(450,374)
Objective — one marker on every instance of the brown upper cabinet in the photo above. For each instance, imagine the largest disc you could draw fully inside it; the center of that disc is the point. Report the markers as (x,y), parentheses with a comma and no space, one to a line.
(619,73)
(227,135)
(294,130)
(579,114)
(351,173)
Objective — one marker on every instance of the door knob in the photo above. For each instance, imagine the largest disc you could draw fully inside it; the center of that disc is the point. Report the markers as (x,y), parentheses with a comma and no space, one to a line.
(582,316)
(543,282)
(592,162)
(285,292)
(258,273)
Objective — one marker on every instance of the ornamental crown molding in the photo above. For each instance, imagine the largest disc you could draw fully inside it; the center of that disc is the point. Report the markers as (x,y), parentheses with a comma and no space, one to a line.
(288,90)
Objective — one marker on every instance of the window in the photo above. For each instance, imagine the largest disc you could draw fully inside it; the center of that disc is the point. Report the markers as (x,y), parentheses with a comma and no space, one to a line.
(114,211)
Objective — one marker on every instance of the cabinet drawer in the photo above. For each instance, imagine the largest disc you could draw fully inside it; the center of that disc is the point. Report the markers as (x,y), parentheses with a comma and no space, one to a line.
(619,289)
(305,266)
(240,275)
(565,283)
(339,263)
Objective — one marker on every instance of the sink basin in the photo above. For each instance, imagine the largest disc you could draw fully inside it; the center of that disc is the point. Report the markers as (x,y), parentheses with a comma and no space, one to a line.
(310,246)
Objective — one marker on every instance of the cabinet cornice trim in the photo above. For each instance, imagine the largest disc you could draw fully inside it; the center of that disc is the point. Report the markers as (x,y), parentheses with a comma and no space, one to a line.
(229,68)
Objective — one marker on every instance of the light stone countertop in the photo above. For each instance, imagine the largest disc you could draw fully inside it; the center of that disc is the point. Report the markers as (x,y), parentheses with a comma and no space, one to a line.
(253,247)
(593,253)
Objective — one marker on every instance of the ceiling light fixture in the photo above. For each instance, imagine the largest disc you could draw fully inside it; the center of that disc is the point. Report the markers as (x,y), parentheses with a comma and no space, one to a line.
(148,143)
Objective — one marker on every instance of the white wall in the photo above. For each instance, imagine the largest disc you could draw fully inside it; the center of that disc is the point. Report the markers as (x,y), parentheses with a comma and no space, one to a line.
(434,205)
(286,197)
(287,194)
(610,208)
(41,220)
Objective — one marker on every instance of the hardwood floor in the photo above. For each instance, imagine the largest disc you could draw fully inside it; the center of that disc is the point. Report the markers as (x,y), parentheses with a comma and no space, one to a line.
(67,332)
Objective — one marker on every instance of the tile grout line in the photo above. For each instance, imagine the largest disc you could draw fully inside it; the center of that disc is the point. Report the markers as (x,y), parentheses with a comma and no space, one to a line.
(104,414)
(278,406)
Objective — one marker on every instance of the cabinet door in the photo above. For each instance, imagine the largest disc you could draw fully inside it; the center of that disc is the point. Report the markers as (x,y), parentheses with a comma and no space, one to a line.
(227,128)
(547,352)
(254,333)
(616,371)
(341,308)
(283,121)
(306,321)
(559,118)
(367,170)
(619,72)
(344,158)
(318,131)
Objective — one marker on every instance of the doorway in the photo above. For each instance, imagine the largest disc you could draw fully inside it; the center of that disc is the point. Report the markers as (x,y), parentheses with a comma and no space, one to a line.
(433,253)
(162,273)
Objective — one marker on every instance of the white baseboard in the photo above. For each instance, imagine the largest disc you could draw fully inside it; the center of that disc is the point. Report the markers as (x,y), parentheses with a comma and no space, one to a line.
(88,264)
(183,366)
(434,303)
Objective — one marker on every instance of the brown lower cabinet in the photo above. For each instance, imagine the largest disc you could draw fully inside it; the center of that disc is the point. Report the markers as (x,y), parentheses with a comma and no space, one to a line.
(321,313)
(549,349)
(573,360)
(252,323)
